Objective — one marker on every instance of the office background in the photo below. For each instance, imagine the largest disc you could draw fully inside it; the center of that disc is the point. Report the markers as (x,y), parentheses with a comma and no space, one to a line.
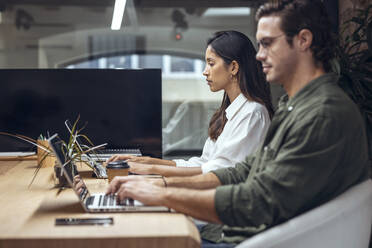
(166,34)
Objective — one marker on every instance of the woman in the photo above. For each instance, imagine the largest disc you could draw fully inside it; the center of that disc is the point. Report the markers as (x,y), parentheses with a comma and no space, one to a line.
(239,126)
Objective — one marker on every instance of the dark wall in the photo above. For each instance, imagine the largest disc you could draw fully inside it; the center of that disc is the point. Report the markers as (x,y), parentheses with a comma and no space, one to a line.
(332,9)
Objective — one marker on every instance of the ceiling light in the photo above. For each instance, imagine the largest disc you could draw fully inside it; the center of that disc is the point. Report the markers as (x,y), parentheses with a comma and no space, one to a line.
(117,17)
(214,12)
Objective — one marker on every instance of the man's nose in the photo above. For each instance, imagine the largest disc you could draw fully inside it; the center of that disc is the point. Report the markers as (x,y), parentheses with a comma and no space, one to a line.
(261,54)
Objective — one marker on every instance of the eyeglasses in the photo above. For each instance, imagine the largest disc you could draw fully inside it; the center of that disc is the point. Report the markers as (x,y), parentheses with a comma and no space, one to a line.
(266,42)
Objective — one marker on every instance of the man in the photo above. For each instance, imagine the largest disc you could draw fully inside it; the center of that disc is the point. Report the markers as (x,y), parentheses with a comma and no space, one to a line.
(315,148)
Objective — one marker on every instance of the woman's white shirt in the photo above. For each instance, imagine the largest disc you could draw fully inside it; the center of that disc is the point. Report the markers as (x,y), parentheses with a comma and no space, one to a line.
(244,131)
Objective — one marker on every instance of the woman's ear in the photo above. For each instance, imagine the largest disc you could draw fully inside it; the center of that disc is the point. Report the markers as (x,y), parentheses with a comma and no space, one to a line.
(234,68)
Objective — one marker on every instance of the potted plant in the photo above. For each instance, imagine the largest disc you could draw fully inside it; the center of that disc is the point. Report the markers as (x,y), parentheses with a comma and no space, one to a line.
(354,55)
(75,153)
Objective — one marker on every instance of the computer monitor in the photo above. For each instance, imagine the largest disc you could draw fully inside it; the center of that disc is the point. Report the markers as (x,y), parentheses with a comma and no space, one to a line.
(121,107)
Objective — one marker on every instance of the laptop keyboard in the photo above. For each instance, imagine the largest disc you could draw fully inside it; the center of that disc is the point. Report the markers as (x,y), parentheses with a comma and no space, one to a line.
(120,151)
(108,201)
(90,201)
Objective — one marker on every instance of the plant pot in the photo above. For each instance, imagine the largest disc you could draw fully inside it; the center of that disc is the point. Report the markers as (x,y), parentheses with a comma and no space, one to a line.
(60,178)
(45,158)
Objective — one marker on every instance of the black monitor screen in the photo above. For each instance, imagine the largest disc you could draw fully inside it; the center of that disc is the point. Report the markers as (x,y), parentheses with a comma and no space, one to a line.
(121,107)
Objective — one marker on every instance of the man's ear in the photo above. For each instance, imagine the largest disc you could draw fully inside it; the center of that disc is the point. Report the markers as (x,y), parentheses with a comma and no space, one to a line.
(234,68)
(305,39)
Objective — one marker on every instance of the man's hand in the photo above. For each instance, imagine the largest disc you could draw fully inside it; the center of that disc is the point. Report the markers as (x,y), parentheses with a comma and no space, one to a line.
(196,203)
(139,188)
(78,184)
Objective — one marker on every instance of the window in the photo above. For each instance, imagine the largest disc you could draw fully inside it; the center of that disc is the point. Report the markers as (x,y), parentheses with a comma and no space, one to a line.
(182,65)
(150,61)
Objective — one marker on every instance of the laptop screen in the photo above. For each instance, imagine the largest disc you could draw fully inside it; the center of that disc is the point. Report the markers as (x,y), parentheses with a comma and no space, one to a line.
(68,169)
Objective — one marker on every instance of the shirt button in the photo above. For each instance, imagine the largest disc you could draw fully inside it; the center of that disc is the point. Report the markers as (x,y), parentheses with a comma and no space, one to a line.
(290,108)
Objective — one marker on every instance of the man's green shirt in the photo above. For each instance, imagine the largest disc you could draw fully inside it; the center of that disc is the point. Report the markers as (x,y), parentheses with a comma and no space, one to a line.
(315,149)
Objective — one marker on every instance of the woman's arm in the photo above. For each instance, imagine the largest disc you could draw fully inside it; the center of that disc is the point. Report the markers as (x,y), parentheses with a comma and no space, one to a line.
(164,170)
(168,171)
(149,160)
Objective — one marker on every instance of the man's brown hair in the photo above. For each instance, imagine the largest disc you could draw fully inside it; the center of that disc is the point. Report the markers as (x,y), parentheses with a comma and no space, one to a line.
(296,15)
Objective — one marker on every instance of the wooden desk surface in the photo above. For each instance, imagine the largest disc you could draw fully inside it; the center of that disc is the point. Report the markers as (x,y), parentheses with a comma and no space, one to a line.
(28,214)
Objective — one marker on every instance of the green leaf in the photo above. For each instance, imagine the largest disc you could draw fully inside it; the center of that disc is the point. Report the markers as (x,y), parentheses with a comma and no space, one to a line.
(369,36)
(357,20)
(356,36)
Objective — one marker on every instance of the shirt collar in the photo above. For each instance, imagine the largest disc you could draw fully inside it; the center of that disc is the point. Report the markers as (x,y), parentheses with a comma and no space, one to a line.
(285,101)
(235,106)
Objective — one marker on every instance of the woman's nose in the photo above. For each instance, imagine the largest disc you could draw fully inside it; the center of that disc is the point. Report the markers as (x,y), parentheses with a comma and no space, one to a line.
(205,72)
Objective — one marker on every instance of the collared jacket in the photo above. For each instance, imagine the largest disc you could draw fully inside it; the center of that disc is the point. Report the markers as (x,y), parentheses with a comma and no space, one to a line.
(315,149)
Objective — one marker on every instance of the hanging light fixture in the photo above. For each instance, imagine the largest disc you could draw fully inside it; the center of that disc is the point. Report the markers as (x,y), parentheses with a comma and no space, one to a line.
(118,14)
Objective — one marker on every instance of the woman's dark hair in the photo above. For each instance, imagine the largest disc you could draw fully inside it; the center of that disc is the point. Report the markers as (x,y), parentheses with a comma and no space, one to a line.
(296,15)
(230,46)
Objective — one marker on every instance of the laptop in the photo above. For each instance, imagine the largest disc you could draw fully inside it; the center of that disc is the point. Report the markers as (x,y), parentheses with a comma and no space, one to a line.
(100,202)
(103,154)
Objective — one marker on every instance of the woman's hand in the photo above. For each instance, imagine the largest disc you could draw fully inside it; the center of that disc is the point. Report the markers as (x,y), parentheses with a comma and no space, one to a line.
(141,159)
(130,158)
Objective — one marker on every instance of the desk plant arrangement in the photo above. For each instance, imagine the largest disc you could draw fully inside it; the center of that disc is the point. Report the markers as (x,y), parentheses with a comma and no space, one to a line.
(354,55)
(70,149)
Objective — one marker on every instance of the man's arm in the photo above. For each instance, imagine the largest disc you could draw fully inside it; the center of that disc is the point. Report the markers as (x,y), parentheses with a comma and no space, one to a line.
(196,203)
(307,169)
(199,204)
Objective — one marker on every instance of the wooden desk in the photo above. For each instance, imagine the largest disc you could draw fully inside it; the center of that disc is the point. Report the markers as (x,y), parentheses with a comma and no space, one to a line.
(28,214)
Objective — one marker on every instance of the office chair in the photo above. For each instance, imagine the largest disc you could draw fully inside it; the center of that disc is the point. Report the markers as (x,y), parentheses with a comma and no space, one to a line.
(344,222)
